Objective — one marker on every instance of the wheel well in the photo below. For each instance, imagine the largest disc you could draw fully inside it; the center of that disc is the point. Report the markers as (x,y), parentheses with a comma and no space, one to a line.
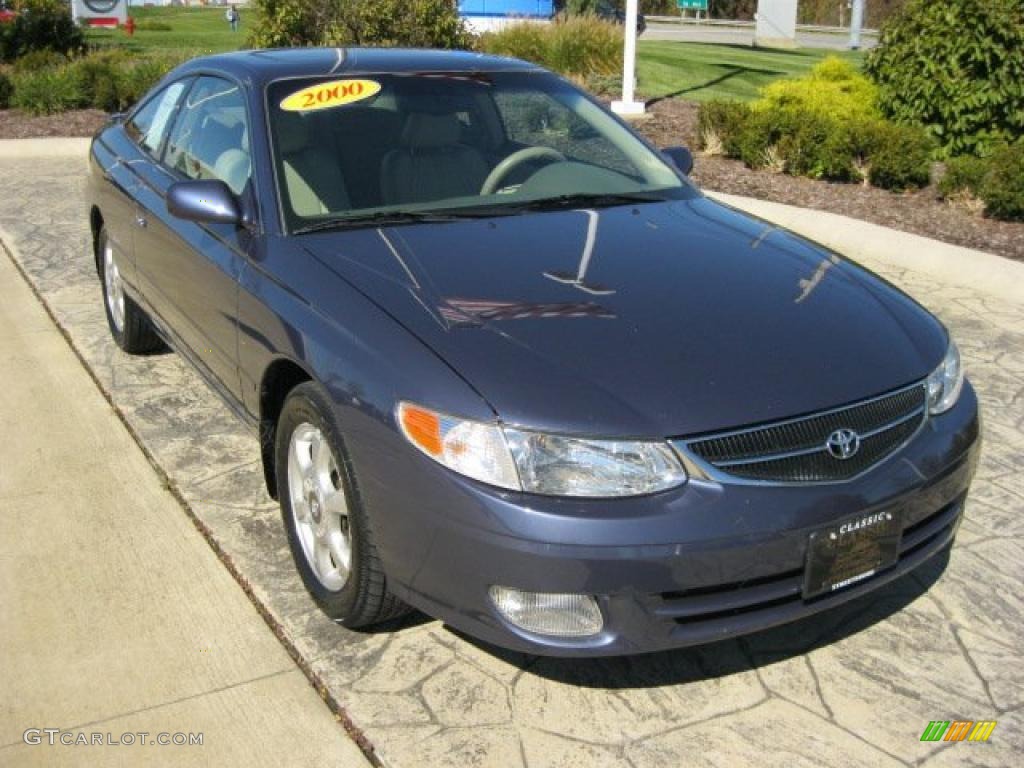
(95,224)
(279,379)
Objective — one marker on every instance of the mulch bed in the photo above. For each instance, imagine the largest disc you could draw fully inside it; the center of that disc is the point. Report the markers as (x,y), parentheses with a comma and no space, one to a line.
(674,122)
(15,124)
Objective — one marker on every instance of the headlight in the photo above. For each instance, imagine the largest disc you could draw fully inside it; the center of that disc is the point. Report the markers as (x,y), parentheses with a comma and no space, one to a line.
(945,382)
(571,466)
(551,465)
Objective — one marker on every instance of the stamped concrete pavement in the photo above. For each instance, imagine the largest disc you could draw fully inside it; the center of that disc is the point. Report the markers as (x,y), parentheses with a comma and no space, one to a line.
(854,686)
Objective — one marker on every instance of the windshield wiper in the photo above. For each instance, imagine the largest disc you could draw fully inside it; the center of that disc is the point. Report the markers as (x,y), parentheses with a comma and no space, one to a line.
(383,219)
(389,218)
(590,200)
(594,200)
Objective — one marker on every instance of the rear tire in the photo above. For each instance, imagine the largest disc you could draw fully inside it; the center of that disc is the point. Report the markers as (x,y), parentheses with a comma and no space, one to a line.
(329,530)
(131,328)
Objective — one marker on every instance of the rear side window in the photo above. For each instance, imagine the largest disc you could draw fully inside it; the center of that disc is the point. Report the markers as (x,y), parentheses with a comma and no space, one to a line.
(148,125)
(210,139)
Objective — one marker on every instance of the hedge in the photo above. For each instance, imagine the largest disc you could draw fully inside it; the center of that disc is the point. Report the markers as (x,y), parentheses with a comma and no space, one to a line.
(582,47)
(110,80)
(826,125)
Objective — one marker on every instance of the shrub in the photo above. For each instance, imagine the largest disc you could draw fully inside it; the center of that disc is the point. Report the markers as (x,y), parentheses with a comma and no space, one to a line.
(149,25)
(832,89)
(901,157)
(44,58)
(955,67)
(577,46)
(580,7)
(963,174)
(97,76)
(418,23)
(40,25)
(584,46)
(6,90)
(997,180)
(659,7)
(819,125)
(722,122)
(107,80)
(47,91)
(135,79)
(1002,189)
(520,41)
(826,126)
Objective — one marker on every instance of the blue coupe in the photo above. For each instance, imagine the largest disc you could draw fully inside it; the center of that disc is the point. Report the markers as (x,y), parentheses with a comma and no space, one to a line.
(506,363)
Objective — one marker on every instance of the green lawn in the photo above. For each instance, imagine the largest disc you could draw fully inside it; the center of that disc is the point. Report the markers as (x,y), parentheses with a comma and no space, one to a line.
(696,71)
(702,71)
(199,30)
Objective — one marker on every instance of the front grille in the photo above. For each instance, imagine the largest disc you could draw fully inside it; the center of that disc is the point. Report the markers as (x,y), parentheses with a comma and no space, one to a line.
(794,451)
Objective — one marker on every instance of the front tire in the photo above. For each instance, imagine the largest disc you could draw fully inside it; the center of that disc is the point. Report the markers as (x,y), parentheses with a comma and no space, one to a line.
(329,530)
(129,325)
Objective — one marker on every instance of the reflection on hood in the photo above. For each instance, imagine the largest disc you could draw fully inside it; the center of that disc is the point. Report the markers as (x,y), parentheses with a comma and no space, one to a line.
(473,311)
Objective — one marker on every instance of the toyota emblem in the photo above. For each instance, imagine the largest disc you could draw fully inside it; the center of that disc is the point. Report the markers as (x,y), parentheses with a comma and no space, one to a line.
(843,444)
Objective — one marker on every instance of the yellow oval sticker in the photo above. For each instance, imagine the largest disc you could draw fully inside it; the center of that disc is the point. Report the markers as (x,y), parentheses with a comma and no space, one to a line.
(332,94)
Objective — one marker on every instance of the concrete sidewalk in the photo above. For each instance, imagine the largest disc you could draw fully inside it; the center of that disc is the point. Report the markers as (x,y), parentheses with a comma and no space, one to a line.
(117,617)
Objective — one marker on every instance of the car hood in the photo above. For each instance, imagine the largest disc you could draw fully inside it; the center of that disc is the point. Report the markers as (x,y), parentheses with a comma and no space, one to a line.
(666,319)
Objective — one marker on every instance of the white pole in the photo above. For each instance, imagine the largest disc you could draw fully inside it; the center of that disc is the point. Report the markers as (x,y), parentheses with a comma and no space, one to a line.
(856,22)
(628,105)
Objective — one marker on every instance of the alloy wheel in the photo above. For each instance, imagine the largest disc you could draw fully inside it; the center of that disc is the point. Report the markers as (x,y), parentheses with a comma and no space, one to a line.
(319,506)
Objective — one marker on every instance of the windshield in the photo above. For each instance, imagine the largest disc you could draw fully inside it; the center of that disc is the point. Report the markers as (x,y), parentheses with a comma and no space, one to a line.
(395,147)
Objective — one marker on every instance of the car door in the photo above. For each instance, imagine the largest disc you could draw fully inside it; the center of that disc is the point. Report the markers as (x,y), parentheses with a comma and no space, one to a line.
(120,155)
(189,270)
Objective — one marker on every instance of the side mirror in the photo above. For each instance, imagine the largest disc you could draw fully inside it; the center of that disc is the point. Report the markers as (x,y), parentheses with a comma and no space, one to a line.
(204,201)
(681,157)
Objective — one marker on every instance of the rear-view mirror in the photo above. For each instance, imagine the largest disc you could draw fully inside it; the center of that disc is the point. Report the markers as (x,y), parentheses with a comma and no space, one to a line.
(681,157)
(203,201)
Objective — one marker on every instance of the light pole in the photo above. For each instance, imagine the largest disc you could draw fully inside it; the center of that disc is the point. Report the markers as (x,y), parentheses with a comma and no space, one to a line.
(628,105)
(856,22)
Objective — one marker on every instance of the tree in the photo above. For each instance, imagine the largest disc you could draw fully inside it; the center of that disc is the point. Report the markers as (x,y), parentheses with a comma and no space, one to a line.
(412,23)
(40,25)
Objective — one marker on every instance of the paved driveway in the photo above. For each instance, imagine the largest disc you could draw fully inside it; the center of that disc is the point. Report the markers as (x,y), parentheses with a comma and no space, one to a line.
(855,686)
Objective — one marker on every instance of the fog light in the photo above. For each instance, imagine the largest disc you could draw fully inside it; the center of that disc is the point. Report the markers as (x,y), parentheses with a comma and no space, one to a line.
(544,613)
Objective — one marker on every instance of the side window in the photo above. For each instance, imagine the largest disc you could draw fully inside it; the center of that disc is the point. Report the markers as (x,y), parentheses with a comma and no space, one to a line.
(149,124)
(210,139)
(535,119)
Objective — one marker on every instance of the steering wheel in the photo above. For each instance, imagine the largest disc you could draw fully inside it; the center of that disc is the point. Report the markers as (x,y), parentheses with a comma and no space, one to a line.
(502,169)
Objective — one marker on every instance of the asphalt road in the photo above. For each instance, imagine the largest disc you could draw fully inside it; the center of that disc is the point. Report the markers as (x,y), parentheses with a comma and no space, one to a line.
(731,35)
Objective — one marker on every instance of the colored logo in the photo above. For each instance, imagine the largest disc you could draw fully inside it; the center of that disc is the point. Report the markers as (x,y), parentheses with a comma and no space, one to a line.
(333,94)
(958,730)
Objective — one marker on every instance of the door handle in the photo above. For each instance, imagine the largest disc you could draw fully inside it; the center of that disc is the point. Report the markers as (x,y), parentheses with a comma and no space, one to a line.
(140,220)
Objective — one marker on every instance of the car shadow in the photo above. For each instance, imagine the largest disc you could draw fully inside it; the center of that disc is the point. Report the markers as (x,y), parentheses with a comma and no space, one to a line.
(728,657)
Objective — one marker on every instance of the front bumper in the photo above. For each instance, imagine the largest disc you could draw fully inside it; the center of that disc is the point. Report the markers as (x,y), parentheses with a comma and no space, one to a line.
(702,563)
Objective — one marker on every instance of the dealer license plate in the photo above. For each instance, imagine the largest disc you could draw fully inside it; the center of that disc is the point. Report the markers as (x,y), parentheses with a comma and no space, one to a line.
(851,551)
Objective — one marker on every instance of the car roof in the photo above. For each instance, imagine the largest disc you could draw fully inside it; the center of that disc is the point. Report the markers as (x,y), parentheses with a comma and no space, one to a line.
(262,66)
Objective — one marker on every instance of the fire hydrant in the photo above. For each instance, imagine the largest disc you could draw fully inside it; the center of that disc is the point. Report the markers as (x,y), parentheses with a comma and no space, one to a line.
(129,26)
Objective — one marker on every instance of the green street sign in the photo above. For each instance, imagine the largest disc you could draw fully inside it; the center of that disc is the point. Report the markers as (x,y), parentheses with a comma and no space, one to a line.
(692,5)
